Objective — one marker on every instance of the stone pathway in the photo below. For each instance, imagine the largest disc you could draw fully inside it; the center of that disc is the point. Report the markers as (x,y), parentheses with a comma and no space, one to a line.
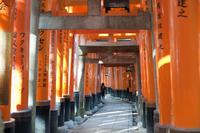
(114,117)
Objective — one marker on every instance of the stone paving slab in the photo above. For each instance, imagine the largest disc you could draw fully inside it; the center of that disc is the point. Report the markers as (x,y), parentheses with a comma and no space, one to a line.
(114,117)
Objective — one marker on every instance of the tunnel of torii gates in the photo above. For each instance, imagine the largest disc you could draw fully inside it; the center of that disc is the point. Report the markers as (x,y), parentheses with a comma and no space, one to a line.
(52,66)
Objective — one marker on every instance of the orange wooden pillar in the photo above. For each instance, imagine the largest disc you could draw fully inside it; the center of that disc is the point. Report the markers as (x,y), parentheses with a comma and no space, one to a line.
(52,68)
(125,82)
(150,83)
(20,68)
(65,74)
(143,59)
(92,80)
(42,92)
(43,67)
(115,81)
(65,63)
(118,82)
(149,68)
(142,63)
(184,50)
(134,83)
(59,65)
(87,92)
(59,77)
(99,83)
(71,75)
(52,80)
(104,76)
(135,79)
(161,29)
(130,83)
(6,28)
(95,83)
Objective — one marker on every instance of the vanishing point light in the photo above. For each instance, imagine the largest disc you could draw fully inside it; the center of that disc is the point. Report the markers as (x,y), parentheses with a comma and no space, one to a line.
(100,62)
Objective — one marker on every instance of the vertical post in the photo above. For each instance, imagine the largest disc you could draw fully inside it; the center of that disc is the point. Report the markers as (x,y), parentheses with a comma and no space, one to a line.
(60,101)
(33,60)
(65,78)
(42,95)
(153,41)
(71,77)
(76,73)
(81,84)
(184,66)
(143,77)
(86,88)
(99,82)
(6,29)
(80,74)
(20,68)
(151,106)
(52,81)
(161,29)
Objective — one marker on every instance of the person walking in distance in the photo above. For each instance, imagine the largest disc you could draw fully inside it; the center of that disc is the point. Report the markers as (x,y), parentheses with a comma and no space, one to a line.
(102,91)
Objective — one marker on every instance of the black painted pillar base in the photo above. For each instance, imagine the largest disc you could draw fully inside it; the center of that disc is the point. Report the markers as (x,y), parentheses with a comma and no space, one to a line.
(23,121)
(108,90)
(91,103)
(98,98)
(9,126)
(43,117)
(67,107)
(112,92)
(61,114)
(161,129)
(87,103)
(93,100)
(119,93)
(123,94)
(129,96)
(76,98)
(143,113)
(115,93)
(150,118)
(72,110)
(156,118)
(183,130)
(54,121)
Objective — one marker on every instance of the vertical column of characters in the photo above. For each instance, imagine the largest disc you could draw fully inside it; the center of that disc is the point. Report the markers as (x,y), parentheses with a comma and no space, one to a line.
(20,66)
(161,28)
(52,68)
(43,66)
(65,63)
(59,65)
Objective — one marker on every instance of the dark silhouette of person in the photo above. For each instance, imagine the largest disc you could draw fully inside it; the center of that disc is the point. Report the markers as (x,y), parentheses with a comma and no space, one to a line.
(102,91)
(127,93)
